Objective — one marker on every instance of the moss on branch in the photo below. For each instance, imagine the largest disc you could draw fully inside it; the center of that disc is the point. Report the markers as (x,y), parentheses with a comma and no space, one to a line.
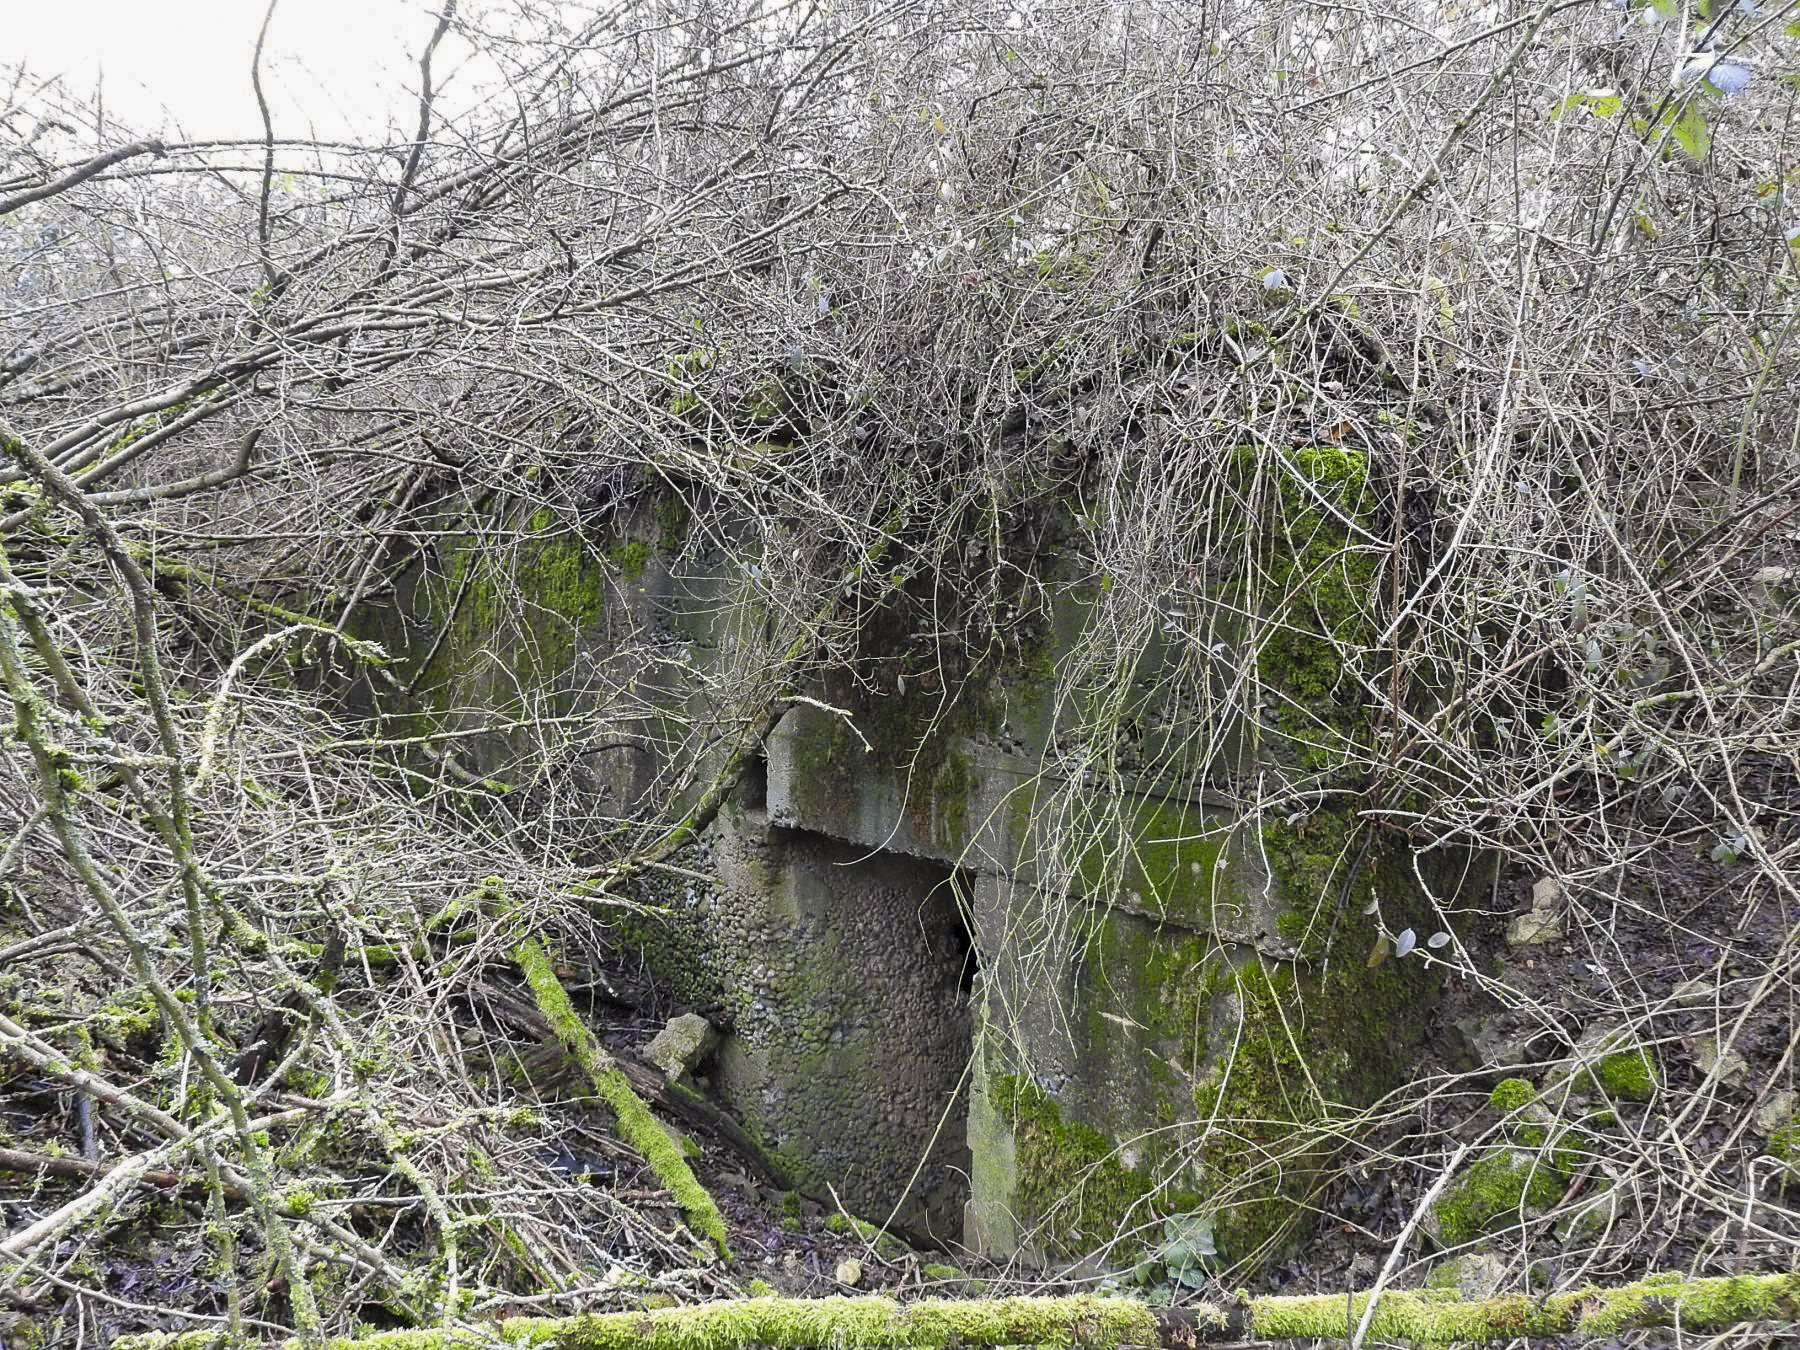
(1097,1323)
(637,1126)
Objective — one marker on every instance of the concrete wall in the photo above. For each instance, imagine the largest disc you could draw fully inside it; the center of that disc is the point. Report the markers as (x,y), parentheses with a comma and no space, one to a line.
(961,991)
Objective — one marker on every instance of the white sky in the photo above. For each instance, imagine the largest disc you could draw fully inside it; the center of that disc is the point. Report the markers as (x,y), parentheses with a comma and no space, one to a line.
(331,67)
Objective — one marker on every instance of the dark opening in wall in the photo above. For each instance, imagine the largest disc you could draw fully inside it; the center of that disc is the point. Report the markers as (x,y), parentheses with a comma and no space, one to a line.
(853,1031)
(753,786)
(959,887)
(934,1207)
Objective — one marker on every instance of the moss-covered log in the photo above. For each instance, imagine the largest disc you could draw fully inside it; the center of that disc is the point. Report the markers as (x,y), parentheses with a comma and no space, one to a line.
(637,1126)
(1095,1323)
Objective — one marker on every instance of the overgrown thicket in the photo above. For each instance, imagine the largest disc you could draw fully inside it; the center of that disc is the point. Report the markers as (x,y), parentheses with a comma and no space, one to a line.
(887,296)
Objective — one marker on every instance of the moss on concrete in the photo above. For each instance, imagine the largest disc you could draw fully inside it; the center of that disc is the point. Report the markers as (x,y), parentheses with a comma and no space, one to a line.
(1315,599)
(674,520)
(1309,1042)
(1159,857)
(514,615)
(671,942)
(1307,862)
(1264,1052)
(1260,1098)
(1074,1193)
(913,740)
(630,556)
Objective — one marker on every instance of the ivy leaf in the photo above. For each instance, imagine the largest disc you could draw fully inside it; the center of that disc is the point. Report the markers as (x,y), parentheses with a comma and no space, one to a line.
(1188,1249)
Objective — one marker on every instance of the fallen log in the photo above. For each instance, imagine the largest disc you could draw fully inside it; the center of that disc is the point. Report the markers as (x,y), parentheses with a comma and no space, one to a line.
(1092,1322)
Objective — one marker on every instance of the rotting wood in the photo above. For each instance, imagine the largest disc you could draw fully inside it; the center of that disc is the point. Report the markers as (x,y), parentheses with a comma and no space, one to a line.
(80,1169)
(1093,1322)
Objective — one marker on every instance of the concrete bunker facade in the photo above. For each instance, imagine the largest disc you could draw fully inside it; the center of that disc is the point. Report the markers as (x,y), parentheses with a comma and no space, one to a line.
(934,1010)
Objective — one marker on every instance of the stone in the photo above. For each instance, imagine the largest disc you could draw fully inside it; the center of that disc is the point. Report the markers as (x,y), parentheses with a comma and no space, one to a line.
(1593,1213)
(1494,1042)
(683,1043)
(1693,993)
(1475,1275)
(1535,929)
(738,1182)
(1543,924)
(1611,1059)
(1491,1193)
(1771,589)
(850,1272)
(1732,1068)
(1777,1110)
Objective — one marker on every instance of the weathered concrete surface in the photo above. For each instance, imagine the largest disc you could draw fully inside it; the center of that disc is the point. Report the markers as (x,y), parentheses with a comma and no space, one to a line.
(981,979)
(1114,1009)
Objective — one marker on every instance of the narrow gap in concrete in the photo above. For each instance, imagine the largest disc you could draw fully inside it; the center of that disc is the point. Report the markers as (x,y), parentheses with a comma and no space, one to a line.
(962,895)
(753,784)
(940,1195)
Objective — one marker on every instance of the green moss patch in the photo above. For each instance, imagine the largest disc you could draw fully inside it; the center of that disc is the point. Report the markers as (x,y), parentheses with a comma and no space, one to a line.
(1307,863)
(1159,857)
(514,614)
(1784,1144)
(1072,1187)
(1315,600)
(1512,1094)
(1308,1044)
(1629,1074)
(1263,1098)
(1496,1190)
(1262,1054)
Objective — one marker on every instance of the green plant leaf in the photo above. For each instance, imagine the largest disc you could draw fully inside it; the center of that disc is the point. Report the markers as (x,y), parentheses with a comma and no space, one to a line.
(1597,102)
(1691,131)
